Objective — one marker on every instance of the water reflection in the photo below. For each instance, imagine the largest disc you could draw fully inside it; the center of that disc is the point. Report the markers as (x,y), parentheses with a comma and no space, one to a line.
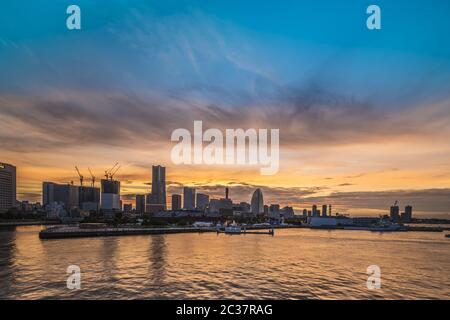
(7,258)
(294,264)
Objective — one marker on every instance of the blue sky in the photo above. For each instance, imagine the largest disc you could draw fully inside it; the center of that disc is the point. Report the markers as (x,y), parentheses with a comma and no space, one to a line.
(231,45)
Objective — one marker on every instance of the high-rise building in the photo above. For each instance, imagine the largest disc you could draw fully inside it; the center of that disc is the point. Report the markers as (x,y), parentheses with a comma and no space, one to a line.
(274,211)
(202,201)
(407,215)
(287,212)
(324,210)
(395,213)
(257,203)
(176,201)
(305,213)
(150,198)
(159,184)
(314,211)
(110,196)
(89,198)
(140,203)
(67,194)
(189,198)
(7,186)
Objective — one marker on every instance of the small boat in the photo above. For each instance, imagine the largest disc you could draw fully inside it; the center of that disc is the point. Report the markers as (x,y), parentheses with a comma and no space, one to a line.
(448,235)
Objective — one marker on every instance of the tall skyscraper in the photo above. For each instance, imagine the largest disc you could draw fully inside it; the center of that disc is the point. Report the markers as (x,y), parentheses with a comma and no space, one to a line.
(395,213)
(257,203)
(202,201)
(140,203)
(407,215)
(159,185)
(314,211)
(324,210)
(176,201)
(7,186)
(188,198)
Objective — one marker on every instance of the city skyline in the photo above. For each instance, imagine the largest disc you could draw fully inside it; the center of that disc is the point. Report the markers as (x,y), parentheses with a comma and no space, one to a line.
(192,202)
(363,117)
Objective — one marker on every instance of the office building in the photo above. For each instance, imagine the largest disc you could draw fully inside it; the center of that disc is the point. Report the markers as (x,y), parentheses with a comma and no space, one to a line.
(89,198)
(314,211)
(395,213)
(287,212)
(110,196)
(202,201)
(7,186)
(220,205)
(324,210)
(159,185)
(66,194)
(257,203)
(407,215)
(176,202)
(274,211)
(140,203)
(188,198)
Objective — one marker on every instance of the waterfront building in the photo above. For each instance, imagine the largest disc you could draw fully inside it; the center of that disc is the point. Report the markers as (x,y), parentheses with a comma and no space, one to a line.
(314,211)
(154,208)
(274,211)
(395,213)
(176,202)
(407,215)
(324,210)
(287,212)
(202,201)
(257,202)
(66,194)
(8,186)
(89,198)
(318,222)
(189,198)
(140,203)
(220,205)
(110,195)
(159,185)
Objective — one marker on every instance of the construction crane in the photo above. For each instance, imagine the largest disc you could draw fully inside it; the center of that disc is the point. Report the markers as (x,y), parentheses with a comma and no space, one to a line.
(111,175)
(108,172)
(79,174)
(92,177)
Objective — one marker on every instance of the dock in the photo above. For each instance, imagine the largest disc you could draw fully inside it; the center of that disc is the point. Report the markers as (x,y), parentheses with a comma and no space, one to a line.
(76,232)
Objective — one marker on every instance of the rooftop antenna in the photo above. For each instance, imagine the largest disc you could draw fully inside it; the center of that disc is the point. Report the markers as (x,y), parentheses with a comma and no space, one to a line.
(79,174)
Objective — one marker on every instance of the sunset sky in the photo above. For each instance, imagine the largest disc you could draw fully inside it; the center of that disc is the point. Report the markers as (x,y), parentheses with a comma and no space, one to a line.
(364,116)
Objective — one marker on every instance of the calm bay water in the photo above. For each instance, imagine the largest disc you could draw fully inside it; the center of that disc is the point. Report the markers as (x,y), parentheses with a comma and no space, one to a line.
(294,264)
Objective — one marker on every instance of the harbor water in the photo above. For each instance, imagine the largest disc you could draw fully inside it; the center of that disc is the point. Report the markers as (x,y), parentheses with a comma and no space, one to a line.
(292,264)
